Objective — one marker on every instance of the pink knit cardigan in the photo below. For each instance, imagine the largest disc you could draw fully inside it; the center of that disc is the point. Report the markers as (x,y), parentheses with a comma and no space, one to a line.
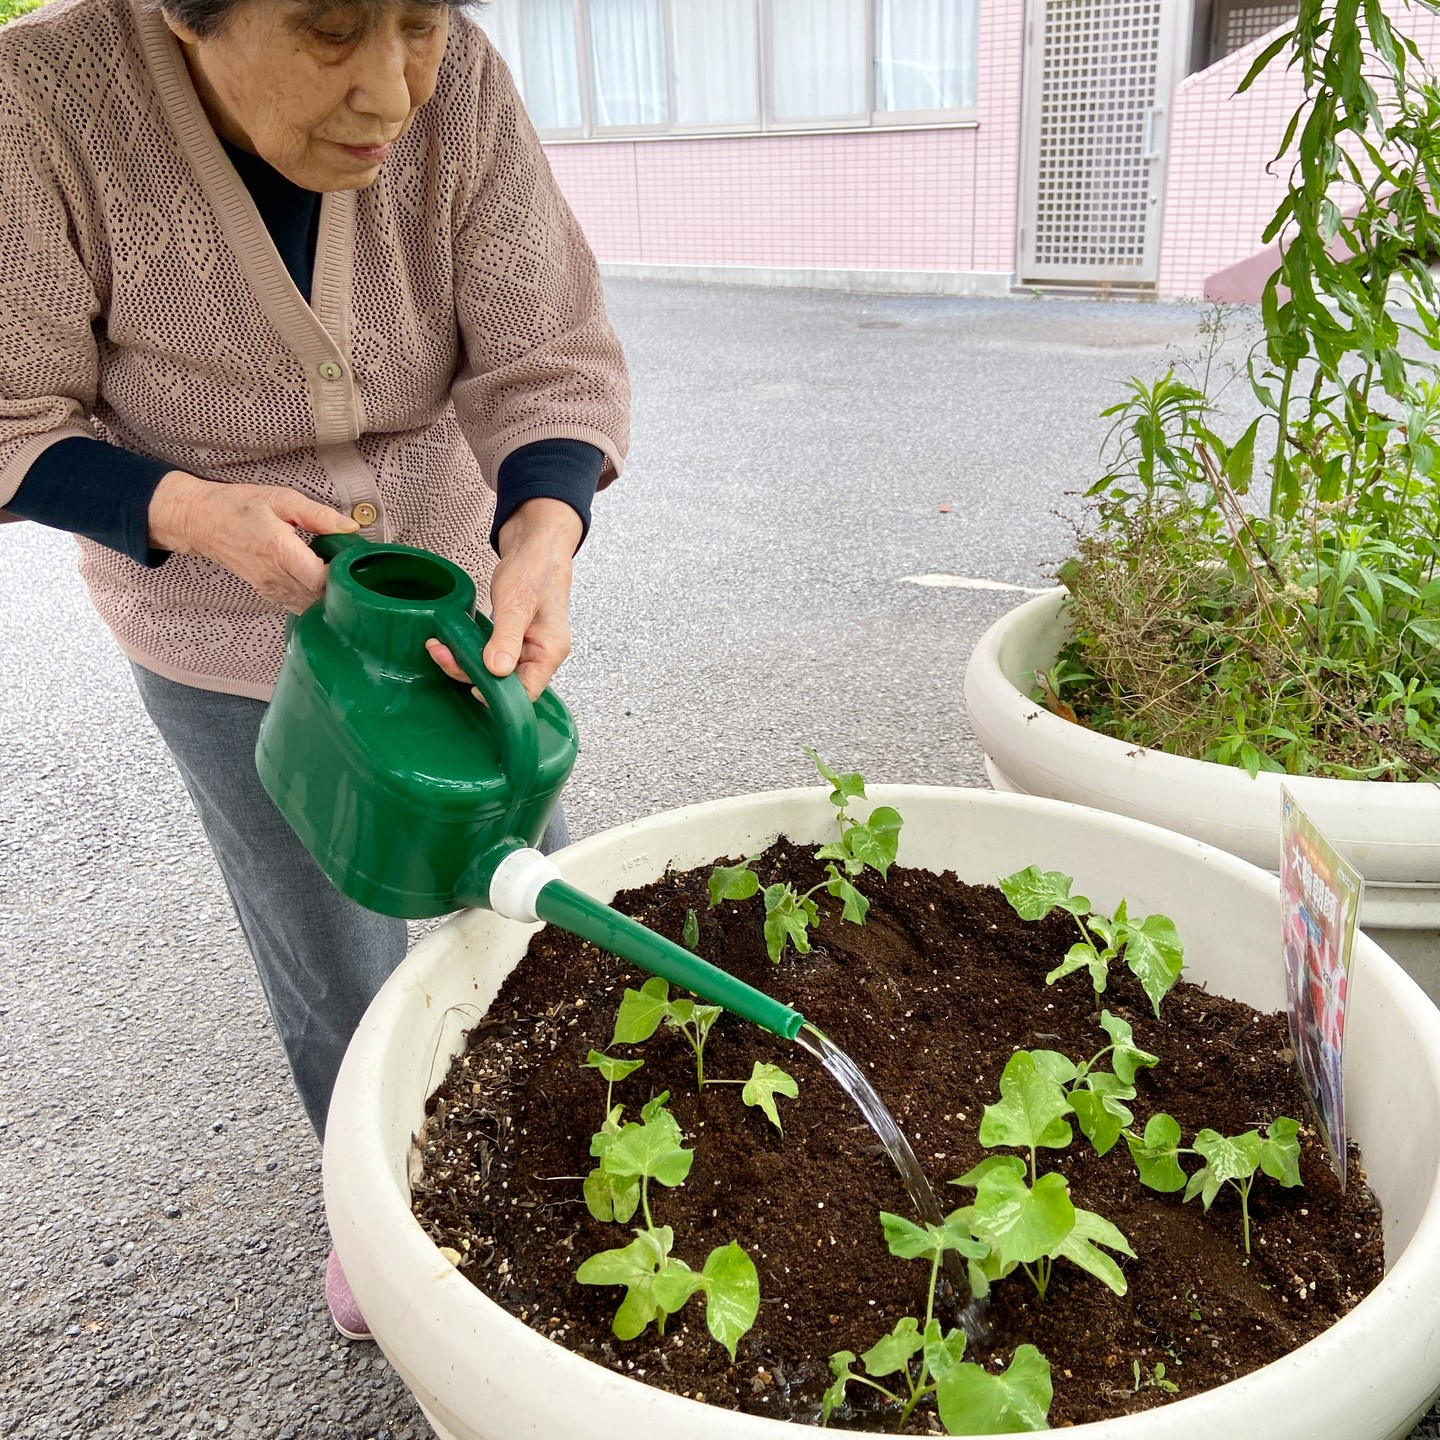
(456,314)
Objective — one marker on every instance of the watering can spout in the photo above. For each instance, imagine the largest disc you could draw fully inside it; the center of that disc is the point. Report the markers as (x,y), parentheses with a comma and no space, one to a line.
(522,884)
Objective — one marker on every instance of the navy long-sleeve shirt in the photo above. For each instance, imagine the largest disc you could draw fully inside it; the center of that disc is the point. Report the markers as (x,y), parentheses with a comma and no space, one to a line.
(98,490)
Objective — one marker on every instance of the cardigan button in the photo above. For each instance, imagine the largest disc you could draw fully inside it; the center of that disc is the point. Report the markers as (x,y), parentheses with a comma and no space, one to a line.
(329,370)
(364,513)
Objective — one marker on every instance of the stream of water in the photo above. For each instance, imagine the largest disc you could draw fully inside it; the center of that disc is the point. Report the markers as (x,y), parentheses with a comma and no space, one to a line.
(853,1081)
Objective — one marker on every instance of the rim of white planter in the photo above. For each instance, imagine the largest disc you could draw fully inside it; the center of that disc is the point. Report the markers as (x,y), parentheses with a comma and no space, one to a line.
(482,1375)
(1390,832)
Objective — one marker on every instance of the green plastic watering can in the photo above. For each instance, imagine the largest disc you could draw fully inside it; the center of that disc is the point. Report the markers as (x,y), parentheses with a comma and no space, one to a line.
(417,800)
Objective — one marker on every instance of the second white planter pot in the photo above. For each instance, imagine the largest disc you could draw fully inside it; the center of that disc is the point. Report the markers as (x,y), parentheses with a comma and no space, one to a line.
(1389,832)
(480,1374)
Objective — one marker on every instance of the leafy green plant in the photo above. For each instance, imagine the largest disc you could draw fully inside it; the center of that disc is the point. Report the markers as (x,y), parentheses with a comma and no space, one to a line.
(765,1083)
(657,1282)
(1097,1098)
(13,9)
(1229,1160)
(1151,948)
(643,1011)
(789,914)
(1297,631)
(1152,1379)
(929,1361)
(1026,1219)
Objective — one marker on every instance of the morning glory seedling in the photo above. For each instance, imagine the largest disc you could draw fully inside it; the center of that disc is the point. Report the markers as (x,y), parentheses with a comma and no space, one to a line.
(928,1361)
(1229,1160)
(643,1011)
(789,914)
(658,1283)
(1151,947)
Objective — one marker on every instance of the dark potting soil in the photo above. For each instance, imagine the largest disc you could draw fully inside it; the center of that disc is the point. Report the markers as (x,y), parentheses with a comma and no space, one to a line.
(931,997)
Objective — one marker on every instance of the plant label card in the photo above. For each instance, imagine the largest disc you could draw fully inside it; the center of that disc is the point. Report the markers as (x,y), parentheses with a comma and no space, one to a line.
(1319,901)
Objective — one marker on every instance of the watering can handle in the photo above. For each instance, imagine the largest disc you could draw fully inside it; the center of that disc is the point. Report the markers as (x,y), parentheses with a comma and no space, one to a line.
(510,707)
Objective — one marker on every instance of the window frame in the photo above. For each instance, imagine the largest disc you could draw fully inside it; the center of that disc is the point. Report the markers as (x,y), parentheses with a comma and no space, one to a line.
(765,122)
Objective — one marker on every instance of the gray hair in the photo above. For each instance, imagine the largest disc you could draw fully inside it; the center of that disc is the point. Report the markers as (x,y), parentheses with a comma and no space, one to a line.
(207,18)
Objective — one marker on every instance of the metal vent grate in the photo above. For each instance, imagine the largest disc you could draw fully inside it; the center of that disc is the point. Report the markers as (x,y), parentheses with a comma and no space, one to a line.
(1093,174)
(1239,23)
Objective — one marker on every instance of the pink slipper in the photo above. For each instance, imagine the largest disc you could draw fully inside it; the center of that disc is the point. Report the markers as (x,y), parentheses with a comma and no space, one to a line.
(343,1309)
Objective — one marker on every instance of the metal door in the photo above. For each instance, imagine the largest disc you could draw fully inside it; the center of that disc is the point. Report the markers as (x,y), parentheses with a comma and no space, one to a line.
(1099,76)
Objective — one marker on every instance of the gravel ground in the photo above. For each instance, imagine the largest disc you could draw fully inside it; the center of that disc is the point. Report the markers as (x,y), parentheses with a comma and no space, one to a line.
(743,593)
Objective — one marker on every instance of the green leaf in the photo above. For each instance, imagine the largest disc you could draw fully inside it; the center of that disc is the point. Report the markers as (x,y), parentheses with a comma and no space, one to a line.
(856,905)
(604,1137)
(611,1198)
(1031,1110)
(834,1397)
(634,1266)
(877,841)
(733,882)
(1080,1247)
(788,916)
(1280,1151)
(892,1352)
(651,1149)
(1127,1057)
(674,1285)
(1020,1222)
(641,1012)
(611,1067)
(909,1241)
(972,1401)
(1013,1163)
(1084,956)
(764,1084)
(1035,893)
(690,931)
(943,1354)
(1227,1157)
(1154,955)
(849,785)
(1156,1154)
(732,1294)
(1101,1117)
(1054,1066)
(653,1106)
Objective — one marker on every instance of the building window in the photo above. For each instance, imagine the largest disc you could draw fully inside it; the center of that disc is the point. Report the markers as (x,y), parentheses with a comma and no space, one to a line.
(595,69)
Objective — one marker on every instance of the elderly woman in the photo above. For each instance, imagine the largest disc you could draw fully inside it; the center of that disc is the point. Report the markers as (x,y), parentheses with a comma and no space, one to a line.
(271,268)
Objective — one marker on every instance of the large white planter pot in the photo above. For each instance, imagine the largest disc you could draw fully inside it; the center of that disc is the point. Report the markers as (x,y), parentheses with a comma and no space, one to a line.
(481,1375)
(1391,833)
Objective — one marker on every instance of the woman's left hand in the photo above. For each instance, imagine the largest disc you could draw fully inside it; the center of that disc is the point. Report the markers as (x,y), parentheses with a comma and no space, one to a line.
(529,597)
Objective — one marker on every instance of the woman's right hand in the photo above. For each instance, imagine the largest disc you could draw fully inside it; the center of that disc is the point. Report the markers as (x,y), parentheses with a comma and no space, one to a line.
(250,530)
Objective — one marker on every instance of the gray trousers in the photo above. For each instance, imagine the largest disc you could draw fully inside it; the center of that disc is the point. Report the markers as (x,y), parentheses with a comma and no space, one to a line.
(321,957)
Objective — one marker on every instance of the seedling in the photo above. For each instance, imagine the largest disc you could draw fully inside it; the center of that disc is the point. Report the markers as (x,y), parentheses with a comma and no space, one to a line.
(690,932)
(608,1196)
(764,1084)
(927,1361)
(1229,1160)
(790,915)
(1151,947)
(642,1011)
(658,1283)
(1153,1379)
(1097,1097)
(1026,1219)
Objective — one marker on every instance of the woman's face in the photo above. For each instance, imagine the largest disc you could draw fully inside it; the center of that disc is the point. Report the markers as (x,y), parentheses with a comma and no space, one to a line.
(322,94)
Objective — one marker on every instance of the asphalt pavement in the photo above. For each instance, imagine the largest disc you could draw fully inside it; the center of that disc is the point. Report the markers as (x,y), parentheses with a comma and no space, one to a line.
(747,589)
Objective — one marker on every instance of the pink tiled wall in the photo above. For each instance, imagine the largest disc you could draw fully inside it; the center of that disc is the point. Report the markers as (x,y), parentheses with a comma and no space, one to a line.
(1221,188)
(939,199)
